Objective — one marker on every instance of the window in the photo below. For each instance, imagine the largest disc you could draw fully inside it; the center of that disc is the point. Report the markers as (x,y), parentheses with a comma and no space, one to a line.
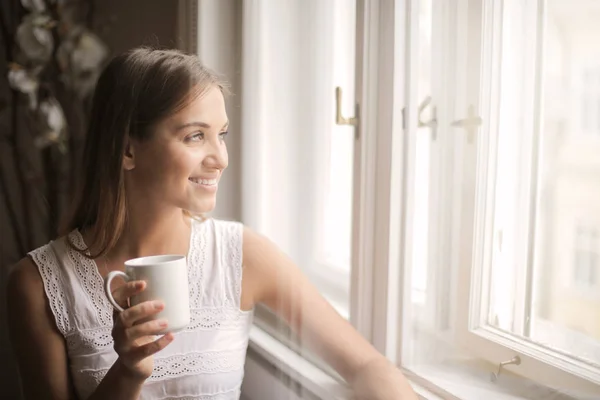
(333,180)
(297,170)
(443,226)
(505,178)
(585,264)
(298,188)
(590,109)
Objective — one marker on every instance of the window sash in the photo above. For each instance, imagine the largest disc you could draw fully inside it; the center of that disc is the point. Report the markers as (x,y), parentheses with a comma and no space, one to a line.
(461,86)
(472,330)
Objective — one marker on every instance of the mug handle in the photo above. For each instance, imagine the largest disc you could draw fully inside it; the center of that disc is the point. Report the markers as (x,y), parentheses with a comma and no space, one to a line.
(111,275)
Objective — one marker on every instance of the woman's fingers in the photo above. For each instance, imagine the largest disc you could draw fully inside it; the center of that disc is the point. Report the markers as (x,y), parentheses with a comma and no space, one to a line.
(139,353)
(130,316)
(146,329)
(125,291)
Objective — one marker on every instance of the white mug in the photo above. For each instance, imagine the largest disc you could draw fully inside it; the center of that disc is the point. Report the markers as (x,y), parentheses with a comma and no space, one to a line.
(166,279)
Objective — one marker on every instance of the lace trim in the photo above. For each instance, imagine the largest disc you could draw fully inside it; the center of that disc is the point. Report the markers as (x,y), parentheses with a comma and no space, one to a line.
(90,379)
(236,259)
(87,340)
(229,395)
(217,318)
(90,279)
(195,363)
(87,380)
(192,363)
(47,264)
(231,242)
(196,263)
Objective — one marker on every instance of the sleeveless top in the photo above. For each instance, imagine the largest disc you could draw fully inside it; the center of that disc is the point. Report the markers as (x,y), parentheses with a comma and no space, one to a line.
(205,361)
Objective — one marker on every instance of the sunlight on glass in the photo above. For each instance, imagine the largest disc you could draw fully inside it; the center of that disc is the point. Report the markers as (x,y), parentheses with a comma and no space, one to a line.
(509,251)
(560,306)
(566,312)
(421,202)
(339,174)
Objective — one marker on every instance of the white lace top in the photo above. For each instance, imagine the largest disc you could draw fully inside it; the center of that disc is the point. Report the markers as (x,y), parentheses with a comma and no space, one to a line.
(204,361)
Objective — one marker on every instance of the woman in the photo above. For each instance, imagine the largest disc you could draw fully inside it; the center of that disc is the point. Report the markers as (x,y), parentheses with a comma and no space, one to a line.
(154,154)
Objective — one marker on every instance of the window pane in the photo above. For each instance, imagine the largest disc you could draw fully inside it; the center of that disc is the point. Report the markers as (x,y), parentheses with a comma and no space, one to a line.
(597,119)
(509,254)
(331,234)
(543,276)
(338,202)
(422,159)
(301,161)
(566,315)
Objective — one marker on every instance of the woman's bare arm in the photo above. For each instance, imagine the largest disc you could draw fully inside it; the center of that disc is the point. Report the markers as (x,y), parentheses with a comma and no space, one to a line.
(276,281)
(40,348)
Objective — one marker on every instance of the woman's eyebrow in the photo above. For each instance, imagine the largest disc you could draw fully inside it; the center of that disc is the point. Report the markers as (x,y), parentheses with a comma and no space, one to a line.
(198,124)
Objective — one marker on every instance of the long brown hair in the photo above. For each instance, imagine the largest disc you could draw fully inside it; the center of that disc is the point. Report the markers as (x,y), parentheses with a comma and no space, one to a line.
(136,90)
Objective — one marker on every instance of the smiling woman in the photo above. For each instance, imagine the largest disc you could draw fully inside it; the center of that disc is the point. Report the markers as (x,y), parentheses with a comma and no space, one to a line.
(177,162)
(135,95)
(154,155)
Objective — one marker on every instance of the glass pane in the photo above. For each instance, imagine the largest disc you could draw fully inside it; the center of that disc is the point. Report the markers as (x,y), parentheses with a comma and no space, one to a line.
(337,217)
(423,139)
(554,300)
(566,312)
(512,162)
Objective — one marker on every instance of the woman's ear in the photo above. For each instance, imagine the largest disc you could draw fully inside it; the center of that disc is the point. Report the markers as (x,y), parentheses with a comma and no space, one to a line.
(128,156)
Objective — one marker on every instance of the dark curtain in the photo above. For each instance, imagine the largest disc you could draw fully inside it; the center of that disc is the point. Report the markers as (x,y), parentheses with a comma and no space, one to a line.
(35,183)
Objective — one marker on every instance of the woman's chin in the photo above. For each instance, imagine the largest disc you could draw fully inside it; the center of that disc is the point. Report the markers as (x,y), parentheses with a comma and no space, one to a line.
(203,207)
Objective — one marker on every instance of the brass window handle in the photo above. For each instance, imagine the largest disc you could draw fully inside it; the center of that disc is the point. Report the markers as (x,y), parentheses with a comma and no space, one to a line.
(469,124)
(432,123)
(339,118)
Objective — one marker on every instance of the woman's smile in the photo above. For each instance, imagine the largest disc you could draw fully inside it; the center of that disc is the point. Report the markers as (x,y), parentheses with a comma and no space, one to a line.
(205,184)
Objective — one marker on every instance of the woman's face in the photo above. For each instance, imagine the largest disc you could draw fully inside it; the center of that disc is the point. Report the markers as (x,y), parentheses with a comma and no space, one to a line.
(182,162)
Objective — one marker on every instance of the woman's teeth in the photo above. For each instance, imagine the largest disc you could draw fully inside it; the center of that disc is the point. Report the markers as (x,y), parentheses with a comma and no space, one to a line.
(207,182)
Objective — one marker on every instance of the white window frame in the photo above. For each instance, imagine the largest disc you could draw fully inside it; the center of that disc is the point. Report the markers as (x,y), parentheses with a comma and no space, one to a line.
(384,169)
(376,274)
(538,363)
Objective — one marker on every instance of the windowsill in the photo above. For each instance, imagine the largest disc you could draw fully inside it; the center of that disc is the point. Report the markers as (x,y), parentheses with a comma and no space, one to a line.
(295,366)
(464,380)
(306,373)
(460,376)
(460,379)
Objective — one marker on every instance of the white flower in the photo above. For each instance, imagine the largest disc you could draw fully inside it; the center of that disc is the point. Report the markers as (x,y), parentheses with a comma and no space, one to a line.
(34,38)
(25,81)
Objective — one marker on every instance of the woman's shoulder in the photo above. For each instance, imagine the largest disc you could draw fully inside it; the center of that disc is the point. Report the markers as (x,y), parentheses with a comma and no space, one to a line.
(25,285)
(24,277)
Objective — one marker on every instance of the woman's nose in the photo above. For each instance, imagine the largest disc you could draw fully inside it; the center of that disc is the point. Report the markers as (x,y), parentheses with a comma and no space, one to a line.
(217,158)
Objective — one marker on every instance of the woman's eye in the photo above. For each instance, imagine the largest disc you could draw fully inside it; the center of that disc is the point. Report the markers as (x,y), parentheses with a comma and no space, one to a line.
(196,137)
(222,135)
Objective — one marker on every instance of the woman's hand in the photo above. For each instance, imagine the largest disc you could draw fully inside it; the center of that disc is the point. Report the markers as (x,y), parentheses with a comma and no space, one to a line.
(379,379)
(133,334)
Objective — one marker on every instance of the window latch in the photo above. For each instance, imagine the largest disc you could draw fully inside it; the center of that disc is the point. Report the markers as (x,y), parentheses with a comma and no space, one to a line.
(516,360)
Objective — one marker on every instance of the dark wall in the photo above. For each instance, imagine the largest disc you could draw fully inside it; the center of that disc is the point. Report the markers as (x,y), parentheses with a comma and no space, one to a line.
(35,184)
(125,24)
